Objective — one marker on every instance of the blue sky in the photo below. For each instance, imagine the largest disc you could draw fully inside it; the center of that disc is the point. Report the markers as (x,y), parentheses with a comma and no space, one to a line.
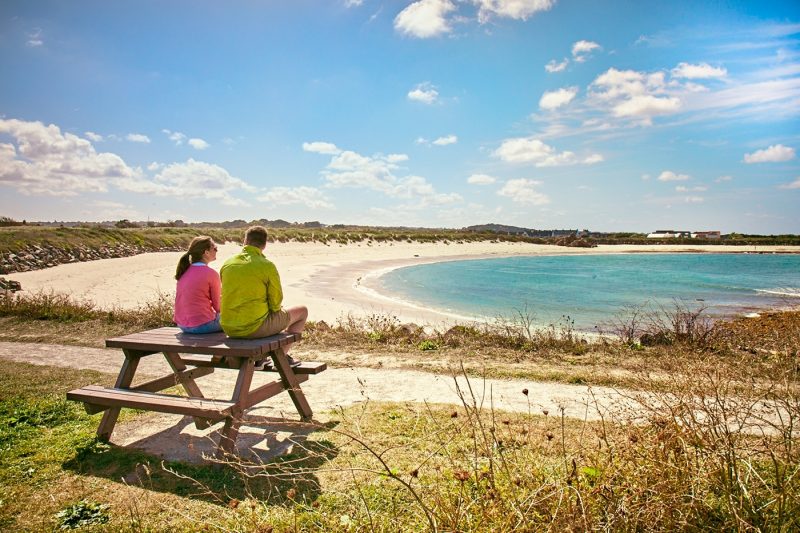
(611,116)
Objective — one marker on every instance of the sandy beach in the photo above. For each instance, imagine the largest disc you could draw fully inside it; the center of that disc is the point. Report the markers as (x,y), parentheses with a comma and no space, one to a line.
(332,280)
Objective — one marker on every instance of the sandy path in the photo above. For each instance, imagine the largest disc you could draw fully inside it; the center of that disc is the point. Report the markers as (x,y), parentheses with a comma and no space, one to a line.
(174,437)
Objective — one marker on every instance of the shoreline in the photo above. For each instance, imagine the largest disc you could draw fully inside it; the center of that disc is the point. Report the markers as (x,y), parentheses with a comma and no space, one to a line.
(369,286)
(333,281)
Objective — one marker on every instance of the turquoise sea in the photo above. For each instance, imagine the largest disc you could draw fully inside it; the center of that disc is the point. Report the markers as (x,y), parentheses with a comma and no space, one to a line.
(591,289)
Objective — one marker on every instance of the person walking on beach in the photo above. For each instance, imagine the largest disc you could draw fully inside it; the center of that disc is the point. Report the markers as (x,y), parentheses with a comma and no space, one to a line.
(197,297)
(252,295)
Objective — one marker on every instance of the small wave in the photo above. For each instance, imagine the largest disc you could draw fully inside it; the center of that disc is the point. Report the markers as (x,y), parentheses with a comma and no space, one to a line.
(793,292)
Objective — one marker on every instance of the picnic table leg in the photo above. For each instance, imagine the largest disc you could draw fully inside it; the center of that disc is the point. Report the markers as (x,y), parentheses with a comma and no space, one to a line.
(227,440)
(189,385)
(124,381)
(291,384)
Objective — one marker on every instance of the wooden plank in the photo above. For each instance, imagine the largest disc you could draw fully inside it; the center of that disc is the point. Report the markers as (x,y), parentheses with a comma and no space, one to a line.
(268,390)
(227,438)
(173,340)
(306,367)
(162,403)
(172,380)
(124,381)
(291,384)
(188,384)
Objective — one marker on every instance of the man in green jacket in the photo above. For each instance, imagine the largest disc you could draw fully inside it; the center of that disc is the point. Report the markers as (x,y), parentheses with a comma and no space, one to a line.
(252,293)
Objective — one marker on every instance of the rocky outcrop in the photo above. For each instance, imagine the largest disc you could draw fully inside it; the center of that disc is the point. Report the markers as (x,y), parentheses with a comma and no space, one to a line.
(7,285)
(39,256)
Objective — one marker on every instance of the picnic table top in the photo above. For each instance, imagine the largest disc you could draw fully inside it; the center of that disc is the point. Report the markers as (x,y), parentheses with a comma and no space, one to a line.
(172,339)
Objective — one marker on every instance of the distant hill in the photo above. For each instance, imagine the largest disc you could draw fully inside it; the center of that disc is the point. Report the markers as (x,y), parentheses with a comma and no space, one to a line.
(515,230)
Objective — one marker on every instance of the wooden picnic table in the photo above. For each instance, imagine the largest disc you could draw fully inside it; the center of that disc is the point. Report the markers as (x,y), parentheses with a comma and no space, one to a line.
(192,356)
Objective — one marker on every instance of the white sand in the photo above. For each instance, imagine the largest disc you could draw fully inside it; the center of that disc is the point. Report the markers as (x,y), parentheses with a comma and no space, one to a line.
(332,280)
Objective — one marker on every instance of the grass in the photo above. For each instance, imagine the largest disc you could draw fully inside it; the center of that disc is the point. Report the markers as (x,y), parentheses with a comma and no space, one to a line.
(681,464)
(708,440)
(15,239)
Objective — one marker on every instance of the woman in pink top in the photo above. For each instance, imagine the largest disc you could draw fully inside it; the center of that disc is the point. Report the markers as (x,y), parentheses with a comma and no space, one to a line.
(198,293)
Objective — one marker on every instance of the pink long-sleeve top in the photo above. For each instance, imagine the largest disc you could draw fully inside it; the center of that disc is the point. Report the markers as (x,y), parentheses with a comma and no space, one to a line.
(197,296)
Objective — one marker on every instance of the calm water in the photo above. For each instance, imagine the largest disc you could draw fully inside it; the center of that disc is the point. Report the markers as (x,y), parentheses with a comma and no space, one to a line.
(592,288)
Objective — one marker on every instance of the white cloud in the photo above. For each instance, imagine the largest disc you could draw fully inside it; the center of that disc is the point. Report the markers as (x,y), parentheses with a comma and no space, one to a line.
(198,144)
(530,150)
(35,38)
(349,169)
(444,141)
(42,160)
(425,93)
(723,178)
(320,147)
(553,66)
(138,138)
(593,159)
(175,136)
(514,9)
(152,167)
(776,153)
(192,179)
(396,158)
(755,98)
(94,137)
(582,49)
(668,175)
(353,3)
(698,71)
(425,18)
(792,185)
(693,199)
(481,179)
(555,99)
(310,197)
(647,106)
(632,94)
(524,191)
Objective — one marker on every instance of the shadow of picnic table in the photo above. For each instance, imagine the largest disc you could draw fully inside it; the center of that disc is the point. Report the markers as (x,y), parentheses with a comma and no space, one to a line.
(272,456)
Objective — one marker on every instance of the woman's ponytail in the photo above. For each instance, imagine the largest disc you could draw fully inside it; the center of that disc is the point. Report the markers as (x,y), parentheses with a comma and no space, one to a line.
(183,265)
(197,248)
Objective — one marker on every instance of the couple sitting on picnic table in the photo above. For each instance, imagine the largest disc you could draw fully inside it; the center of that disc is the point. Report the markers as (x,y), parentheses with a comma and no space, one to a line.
(249,303)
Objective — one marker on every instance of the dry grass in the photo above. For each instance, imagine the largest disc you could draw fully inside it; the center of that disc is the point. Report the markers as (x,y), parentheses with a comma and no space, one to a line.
(709,442)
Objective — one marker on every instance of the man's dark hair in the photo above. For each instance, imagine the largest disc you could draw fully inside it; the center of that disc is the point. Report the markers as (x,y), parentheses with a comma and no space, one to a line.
(256,236)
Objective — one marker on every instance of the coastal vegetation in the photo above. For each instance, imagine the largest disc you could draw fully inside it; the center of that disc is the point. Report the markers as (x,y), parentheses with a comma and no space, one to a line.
(17,238)
(707,439)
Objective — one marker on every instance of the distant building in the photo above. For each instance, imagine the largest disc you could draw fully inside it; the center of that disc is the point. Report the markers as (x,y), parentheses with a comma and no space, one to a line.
(706,235)
(678,234)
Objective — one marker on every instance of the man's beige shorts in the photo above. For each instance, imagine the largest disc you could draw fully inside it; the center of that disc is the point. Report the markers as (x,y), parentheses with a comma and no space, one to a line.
(274,323)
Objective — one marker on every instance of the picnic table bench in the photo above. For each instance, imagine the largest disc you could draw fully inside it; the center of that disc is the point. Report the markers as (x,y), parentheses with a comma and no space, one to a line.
(192,356)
